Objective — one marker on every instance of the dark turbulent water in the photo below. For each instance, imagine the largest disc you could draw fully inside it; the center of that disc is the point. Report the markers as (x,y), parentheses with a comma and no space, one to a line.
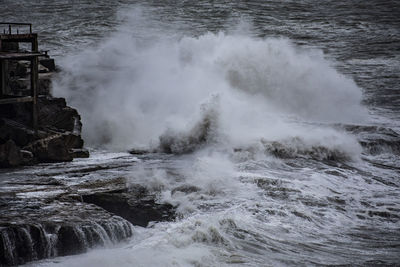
(259,104)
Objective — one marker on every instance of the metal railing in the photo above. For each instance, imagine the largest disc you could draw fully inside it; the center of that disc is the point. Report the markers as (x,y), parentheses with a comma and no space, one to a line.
(8,27)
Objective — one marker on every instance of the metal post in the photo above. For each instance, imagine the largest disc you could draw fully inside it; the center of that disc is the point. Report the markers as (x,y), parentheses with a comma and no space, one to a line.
(9,28)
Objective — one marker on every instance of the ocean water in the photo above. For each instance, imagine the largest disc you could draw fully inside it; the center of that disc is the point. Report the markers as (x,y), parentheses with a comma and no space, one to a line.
(282,117)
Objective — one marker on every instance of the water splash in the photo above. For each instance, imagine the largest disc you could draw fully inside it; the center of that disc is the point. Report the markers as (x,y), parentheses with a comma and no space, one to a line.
(145,90)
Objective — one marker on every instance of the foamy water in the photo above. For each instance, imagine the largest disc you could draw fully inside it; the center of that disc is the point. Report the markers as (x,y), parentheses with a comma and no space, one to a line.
(273,147)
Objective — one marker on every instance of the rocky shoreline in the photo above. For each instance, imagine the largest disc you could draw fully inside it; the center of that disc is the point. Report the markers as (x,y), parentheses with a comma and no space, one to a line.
(59,126)
(44,216)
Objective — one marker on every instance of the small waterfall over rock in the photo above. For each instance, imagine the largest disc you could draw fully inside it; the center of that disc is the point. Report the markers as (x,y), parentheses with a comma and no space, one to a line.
(58,229)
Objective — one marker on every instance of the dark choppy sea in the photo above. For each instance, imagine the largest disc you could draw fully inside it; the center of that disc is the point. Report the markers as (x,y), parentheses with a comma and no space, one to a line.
(285,115)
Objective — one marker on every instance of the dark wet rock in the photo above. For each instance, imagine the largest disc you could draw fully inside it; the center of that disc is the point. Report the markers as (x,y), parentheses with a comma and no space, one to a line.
(48,63)
(45,83)
(15,131)
(44,229)
(137,206)
(43,217)
(10,155)
(187,189)
(54,112)
(73,142)
(27,157)
(50,149)
(79,153)
(19,113)
(138,151)
(58,137)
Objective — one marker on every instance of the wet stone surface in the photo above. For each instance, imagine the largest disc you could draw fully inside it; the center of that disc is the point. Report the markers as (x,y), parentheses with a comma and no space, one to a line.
(44,217)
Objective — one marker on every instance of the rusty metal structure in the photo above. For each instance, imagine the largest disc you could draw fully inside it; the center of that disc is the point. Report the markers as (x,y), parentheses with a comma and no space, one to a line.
(11,35)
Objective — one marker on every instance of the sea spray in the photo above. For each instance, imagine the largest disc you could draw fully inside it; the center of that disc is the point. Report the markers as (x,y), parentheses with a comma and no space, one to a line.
(272,184)
(134,92)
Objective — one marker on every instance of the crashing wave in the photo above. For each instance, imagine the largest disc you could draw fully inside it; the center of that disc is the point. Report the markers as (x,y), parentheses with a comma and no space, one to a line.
(203,132)
(297,147)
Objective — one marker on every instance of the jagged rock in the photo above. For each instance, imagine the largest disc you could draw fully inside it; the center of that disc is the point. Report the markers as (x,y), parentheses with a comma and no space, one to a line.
(27,157)
(21,113)
(79,153)
(10,155)
(50,149)
(55,113)
(42,231)
(48,63)
(20,239)
(15,131)
(137,206)
(73,141)
(45,83)
(139,151)
(59,135)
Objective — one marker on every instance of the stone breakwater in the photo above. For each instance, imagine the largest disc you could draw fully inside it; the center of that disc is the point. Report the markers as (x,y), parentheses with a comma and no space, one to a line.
(59,126)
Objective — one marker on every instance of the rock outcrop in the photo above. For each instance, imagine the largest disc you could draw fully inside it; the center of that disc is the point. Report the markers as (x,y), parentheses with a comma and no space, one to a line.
(59,134)
(55,228)
(136,205)
(44,217)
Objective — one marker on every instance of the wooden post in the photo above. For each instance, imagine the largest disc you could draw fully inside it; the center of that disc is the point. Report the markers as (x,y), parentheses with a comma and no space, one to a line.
(34,93)
(4,89)
(34,43)
(34,83)
(2,78)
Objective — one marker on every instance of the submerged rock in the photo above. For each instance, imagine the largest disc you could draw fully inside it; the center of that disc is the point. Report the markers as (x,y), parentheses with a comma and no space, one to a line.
(79,153)
(137,205)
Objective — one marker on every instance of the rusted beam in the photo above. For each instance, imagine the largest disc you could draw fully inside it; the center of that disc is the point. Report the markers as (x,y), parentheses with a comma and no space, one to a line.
(14,100)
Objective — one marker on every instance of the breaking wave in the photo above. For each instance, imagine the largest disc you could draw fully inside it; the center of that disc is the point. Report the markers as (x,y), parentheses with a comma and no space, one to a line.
(176,94)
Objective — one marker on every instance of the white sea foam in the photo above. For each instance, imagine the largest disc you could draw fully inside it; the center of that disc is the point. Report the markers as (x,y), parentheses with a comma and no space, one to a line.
(131,90)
